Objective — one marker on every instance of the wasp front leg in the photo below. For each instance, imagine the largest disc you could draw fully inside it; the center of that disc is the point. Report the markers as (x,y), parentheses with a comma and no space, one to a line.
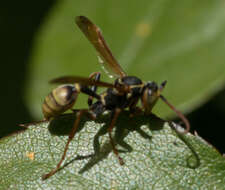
(134,109)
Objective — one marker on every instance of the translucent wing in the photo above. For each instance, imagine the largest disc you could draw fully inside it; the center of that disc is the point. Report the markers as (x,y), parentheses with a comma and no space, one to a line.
(88,82)
(94,35)
(80,80)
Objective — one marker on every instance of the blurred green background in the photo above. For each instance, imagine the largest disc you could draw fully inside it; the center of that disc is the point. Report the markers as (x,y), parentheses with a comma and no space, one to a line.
(40,41)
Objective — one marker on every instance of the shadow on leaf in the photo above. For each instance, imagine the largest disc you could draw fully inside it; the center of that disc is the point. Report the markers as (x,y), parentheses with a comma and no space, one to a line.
(125,124)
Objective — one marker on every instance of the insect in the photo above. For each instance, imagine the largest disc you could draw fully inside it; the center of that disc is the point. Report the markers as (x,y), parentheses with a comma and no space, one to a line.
(125,92)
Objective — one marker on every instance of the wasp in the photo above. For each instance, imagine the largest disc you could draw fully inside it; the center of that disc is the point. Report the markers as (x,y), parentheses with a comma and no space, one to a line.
(125,92)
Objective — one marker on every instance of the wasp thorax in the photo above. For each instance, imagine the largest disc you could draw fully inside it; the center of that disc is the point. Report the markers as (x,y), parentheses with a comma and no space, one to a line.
(59,100)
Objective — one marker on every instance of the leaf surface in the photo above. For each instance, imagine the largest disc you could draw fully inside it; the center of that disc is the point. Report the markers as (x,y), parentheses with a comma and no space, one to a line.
(158,157)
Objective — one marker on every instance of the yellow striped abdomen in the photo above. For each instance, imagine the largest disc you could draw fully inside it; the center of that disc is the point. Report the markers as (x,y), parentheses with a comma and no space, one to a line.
(59,100)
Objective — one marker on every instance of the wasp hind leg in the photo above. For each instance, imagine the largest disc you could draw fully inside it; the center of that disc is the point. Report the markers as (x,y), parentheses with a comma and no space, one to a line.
(79,114)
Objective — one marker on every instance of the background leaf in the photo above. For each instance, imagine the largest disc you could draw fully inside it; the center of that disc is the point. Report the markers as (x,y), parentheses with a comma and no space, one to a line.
(160,158)
(180,41)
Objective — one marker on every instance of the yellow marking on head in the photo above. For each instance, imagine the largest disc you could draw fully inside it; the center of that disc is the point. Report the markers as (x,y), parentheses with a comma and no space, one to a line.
(143,29)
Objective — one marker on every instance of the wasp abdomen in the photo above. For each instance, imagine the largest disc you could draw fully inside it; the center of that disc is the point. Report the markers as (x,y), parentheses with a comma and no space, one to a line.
(59,100)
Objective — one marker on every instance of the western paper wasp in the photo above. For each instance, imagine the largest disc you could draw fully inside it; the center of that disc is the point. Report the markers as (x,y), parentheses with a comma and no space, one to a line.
(124,93)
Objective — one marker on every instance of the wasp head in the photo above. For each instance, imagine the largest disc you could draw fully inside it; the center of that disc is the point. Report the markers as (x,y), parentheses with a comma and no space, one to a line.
(150,95)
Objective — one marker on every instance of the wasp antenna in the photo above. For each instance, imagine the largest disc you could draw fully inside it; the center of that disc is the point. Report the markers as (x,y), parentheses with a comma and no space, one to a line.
(162,85)
(182,117)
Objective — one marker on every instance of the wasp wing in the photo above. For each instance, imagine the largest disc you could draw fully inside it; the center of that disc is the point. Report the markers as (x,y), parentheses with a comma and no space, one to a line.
(80,80)
(94,35)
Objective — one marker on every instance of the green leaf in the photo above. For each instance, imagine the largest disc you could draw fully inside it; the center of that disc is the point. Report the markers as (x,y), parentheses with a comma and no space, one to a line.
(182,42)
(160,157)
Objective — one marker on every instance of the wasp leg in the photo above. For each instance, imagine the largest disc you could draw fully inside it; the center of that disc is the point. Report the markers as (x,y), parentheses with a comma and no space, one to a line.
(134,109)
(96,76)
(115,115)
(71,136)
